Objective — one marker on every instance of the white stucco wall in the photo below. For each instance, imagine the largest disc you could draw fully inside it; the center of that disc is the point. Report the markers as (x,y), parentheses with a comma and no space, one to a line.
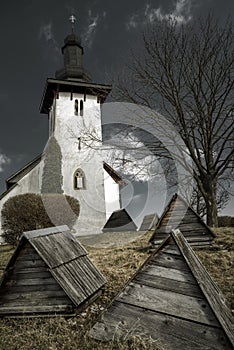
(68,128)
(112,199)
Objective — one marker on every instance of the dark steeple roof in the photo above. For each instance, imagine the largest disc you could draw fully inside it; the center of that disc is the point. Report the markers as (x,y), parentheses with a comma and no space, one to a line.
(73,60)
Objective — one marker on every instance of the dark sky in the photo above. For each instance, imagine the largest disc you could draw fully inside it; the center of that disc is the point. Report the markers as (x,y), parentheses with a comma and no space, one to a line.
(32,34)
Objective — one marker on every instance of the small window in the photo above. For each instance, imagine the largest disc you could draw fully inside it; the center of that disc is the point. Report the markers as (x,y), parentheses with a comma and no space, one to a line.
(81,108)
(79,180)
(76,106)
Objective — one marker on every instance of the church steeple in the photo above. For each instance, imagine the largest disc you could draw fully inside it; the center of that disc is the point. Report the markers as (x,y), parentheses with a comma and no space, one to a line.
(73,58)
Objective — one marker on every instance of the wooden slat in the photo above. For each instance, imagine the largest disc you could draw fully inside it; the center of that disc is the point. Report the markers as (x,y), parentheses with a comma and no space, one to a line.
(173,274)
(30,282)
(168,284)
(209,288)
(168,302)
(46,294)
(57,249)
(173,333)
(20,265)
(170,261)
(32,288)
(79,279)
(45,231)
(43,309)
(62,300)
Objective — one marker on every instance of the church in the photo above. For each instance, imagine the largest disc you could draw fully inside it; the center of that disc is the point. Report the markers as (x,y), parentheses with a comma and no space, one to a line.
(72,103)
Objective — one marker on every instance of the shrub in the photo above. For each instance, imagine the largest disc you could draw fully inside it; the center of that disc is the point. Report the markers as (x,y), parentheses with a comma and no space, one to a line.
(32,211)
(226,221)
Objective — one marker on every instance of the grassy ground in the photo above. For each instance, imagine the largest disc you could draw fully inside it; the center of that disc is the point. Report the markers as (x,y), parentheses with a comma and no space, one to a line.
(117,264)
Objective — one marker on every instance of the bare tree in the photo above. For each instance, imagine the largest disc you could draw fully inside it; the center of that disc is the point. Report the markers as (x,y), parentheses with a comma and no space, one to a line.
(188,71)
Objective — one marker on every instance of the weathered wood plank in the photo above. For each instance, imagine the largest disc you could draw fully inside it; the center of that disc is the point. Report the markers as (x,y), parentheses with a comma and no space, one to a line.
(30,275)
(43,309)
(170,261)
(31,288)
(171,332)
(45,231)
(58,248)
(168,284)
(29,282)
(170,273)
(168,302)
(209,288)
(80,277)
(25,296)
(20,265)
(62,300)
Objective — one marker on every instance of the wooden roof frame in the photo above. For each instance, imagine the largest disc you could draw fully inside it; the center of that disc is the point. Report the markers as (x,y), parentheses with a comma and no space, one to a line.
(104,229)
(211,291)
(174,197)
(54,265)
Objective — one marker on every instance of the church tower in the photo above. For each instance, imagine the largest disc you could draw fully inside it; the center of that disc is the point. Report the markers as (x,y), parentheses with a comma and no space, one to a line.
(73,105)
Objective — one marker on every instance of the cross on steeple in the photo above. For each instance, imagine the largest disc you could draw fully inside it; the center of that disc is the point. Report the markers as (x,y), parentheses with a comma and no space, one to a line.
(72,19)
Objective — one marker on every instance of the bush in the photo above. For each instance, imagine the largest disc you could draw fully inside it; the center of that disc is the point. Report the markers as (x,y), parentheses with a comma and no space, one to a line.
(32,211)
(226,221)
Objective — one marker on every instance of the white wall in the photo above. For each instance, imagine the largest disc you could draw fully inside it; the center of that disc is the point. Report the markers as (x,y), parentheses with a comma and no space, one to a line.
(68,128)
(111,195)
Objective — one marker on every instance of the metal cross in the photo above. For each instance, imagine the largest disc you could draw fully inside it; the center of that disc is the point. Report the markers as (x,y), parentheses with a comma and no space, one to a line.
(72,19)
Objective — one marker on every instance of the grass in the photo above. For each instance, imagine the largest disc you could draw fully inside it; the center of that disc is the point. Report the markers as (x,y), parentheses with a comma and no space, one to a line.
(117,264)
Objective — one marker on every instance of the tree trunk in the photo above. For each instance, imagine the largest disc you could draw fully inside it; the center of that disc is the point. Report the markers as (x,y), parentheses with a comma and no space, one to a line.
(211,202)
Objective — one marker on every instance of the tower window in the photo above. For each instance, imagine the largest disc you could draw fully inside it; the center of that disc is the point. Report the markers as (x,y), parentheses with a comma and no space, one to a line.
(79,180)
(81,108)
(76,107)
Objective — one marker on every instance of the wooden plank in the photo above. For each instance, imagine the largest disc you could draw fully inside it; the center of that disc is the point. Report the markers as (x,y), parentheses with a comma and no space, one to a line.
(174,250)
(79,278)
(58,248)
(25,296)
(20,265)
(31,288)
(173,333)
(45,231)
(170,273)
(30,282)
(168,284)
(168,302)
(30,275)
(170,261)
(62,300)
(35,309)
(209,288)
(36,269)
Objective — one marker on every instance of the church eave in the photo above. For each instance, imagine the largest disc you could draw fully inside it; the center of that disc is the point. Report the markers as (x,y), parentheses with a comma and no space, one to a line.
(54,86)
(14,178)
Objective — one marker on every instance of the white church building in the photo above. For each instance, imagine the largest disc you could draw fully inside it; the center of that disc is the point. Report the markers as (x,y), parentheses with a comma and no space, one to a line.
(72,103)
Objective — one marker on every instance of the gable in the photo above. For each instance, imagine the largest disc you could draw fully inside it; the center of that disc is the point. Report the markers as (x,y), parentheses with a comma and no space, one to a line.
(179,215)
(119,220)
(49,273)
(29,287)
(163,300)
(149,222)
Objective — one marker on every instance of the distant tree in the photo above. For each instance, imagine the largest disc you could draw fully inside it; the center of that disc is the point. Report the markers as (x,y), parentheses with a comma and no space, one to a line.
(188,71)
(52,174)
(27,212)
(226,221)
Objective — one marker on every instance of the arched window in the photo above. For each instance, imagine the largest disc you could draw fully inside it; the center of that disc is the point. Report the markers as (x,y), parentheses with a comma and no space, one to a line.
(76,106)
(81,108)
(79,180)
